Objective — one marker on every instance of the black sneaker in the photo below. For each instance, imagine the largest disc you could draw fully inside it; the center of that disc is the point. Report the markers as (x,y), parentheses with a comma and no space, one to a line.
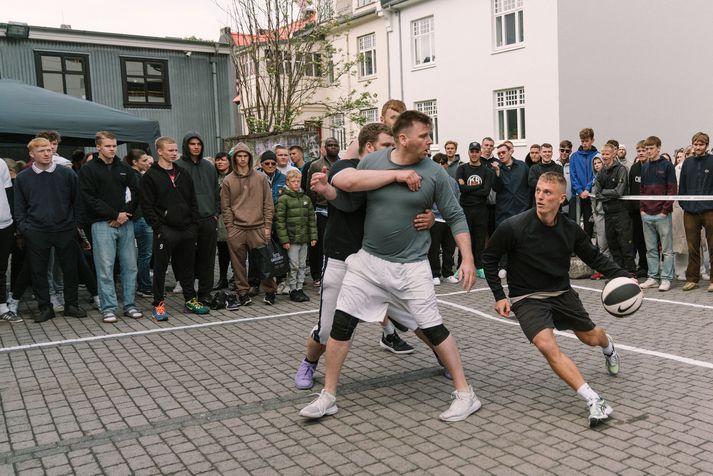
(144,293)
(295,296)
(218,301)
(10,316)
(394,343)
(45,315)
(269,299)
(303,296)
(231,302)
(244,300)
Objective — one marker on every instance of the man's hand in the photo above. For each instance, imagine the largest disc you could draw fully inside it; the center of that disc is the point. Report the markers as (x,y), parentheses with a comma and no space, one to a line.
(114,223)
(86,246)
(318,183)
(410,178)
(123,218)
(466,274)
(461,182)
(496,166)
(313,243)
(584,194)
(286,246)
(267,233)
(503,307)
(424,221)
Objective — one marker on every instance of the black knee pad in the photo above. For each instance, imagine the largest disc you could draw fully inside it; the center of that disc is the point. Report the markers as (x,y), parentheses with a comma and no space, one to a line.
(343,326)
(436,334)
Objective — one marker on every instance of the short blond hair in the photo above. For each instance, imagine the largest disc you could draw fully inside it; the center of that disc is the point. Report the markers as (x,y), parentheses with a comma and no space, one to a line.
(38,142)
(293,173)
(163,140)
(101,135)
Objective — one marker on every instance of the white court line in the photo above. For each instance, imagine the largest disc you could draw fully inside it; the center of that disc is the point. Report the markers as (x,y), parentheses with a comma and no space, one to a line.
(148,331)
(638,350)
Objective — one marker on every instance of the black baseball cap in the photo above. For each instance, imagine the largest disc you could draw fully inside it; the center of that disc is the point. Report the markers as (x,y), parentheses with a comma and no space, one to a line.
(474,146)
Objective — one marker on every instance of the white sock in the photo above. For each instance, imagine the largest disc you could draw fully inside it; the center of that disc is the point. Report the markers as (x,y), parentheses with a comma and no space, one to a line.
(609,349)
(388,328)
(3,308)
(586,392)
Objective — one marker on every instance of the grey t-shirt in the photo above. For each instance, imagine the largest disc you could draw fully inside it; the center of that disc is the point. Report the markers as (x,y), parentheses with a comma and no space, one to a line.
(388,229)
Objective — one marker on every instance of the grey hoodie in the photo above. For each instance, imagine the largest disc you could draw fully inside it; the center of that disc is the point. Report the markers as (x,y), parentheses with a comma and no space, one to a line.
(205,179)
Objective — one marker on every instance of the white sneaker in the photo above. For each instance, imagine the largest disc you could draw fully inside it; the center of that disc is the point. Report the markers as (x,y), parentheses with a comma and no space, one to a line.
(502,274)
(436,281)
(665,285)
(649,283)
(452,279)
(57,303)
(464,403)
(599,410)
(177,289)
(283,288)
(324,404)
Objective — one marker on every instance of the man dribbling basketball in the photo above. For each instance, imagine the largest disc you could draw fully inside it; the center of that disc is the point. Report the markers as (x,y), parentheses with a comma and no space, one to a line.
(539,243)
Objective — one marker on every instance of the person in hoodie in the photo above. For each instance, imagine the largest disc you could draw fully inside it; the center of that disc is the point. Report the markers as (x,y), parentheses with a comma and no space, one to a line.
(205,183)
(248,209)
(109,196)
(451,147)
(170,206)
(582,177)
(296,231)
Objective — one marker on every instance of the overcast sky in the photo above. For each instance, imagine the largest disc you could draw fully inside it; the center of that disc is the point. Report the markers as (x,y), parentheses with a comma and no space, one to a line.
(178,18)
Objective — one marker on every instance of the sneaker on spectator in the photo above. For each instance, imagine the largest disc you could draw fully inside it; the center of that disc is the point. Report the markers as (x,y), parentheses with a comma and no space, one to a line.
(269,299)
(649,283)
(452,279)
(231,302)
(244,300)
(464,403)
(57,302)
(10,316)
(133,313)
(436,281)
(283,288)
(253,291)
(303,296)
(304,378)
(159,312)
(108,317)
(710,288)
(144,293)
(295,296)
(196,307)
(665,285)
(689,286)
(177,289)
(394,343)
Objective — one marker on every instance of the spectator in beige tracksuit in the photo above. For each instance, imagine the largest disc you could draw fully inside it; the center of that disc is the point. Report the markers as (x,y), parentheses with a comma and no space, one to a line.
(247,208)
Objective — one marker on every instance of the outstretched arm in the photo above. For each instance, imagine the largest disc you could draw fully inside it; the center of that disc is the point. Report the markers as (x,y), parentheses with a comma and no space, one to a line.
(353,180)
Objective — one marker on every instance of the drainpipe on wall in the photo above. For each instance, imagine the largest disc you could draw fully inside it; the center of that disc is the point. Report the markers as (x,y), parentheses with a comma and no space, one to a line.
(401,58)
(215,104)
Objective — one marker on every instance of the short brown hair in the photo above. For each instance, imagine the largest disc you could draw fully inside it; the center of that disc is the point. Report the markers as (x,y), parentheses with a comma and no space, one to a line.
(101,135)
(393,104)
(534,146)
(566,143)
(370,133)
(407,118)
(640,144)
(700,136)
(610,146)
(38,142)
(297,147)
(451,142)
(613,142)
(440,158)
(164,140)
(293,173)
(52,136)
(546,145)
(554,177)
(487,138)
(505,144)
(652,140)
(586,134)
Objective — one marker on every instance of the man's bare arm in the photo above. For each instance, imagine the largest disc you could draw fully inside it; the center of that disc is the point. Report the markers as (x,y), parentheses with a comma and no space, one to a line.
(353,180)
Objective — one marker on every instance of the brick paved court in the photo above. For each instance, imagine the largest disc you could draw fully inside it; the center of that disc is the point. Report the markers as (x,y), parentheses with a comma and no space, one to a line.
(215,394)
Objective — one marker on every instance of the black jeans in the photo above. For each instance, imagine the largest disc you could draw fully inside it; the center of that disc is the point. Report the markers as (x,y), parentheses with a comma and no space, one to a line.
(223,259)
(477,218)
(7,237)
(441,239)
(205,256)
(637,238)
(178,247)
(39,245)
(315,253)
(617,225)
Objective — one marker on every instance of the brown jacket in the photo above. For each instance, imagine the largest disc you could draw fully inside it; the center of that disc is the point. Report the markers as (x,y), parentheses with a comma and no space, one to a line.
(246,200)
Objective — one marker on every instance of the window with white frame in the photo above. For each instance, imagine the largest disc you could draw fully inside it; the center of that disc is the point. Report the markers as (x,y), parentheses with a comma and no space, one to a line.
(510,109)
(366,46)
(370,115)
(423,41)
(508,17)
(338,130)
(363,3)
(429,108)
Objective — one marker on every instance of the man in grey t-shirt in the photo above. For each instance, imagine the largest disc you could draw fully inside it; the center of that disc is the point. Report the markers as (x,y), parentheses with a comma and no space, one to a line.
(392,267)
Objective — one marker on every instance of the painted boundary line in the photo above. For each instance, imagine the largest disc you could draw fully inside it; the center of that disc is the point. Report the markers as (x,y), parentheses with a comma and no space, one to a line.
(638,350)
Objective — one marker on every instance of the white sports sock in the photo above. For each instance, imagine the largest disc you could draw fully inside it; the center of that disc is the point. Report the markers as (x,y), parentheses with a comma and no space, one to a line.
(3,308)
(388,328)
(609,349)
(586,392)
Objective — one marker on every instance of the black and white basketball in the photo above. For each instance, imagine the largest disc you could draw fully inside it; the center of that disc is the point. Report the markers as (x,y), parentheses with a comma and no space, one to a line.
(622,297)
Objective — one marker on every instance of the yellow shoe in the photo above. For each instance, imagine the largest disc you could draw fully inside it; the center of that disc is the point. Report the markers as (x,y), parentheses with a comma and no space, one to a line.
(690,286)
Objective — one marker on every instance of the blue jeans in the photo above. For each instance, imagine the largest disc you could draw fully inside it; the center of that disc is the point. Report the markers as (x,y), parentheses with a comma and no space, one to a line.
(108,243)
(144,245)
(658,229)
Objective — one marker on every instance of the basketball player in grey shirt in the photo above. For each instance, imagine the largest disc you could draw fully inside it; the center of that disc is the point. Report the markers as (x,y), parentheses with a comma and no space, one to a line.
(392,268)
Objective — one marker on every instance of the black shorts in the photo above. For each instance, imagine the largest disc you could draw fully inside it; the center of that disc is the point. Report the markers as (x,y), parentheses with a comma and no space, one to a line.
(563,312)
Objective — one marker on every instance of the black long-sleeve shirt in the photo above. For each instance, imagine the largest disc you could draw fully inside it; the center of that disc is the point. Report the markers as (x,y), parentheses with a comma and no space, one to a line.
(478,181)
(539,255)
(107,190)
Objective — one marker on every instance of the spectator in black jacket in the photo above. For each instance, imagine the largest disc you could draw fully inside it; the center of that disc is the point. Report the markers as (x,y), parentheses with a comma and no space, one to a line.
(546,164)
(637,227)
(168,200)
(45,197)
(109,197)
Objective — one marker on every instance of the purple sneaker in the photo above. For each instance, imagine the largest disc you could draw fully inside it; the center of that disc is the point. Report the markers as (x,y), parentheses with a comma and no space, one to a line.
(304,379)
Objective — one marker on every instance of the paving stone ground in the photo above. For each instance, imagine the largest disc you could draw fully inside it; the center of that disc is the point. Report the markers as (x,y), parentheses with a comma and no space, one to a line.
(195,399)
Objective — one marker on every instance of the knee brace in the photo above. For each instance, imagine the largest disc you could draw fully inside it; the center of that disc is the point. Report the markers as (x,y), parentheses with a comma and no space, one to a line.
(436,334)
(343,326)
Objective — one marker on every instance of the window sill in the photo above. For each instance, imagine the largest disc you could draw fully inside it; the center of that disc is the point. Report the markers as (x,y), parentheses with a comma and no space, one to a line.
(424,66)
(367,78)
(505,49)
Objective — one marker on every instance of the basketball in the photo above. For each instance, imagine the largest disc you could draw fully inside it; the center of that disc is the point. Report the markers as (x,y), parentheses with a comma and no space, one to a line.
(622,297)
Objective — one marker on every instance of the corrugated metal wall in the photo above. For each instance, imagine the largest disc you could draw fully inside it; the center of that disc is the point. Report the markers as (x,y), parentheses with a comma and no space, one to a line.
(190,81)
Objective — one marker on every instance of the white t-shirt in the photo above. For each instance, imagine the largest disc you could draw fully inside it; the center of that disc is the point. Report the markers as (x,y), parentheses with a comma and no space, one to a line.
(5,215)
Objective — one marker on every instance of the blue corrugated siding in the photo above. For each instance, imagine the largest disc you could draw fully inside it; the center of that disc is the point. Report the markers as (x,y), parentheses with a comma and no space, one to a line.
(190,80)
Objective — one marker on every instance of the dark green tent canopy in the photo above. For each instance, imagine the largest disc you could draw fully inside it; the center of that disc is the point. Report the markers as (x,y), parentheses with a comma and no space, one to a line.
(26,110)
